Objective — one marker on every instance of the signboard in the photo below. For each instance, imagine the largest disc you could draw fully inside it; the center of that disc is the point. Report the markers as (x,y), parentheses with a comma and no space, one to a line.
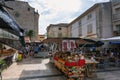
(68,45)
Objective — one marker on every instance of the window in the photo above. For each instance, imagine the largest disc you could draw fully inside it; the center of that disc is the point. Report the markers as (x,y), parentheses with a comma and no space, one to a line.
(16,14)
(118,28)
(89,16)
(59,28)
(117,10)
(89,28)
(79,22)
(59,34)
(28,9)
(80,32)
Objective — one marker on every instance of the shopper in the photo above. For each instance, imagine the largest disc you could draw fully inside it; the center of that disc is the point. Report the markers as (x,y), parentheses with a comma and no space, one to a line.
(36,49)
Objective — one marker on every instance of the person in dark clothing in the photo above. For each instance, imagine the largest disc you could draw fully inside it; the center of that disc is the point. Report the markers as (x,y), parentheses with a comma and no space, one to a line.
(36,49)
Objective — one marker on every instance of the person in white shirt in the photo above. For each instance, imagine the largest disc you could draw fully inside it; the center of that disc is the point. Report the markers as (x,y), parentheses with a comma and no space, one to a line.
(82,56)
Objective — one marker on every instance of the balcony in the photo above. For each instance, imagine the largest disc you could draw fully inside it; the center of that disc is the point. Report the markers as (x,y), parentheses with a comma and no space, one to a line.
(115,2)
(116,17)
(116,33)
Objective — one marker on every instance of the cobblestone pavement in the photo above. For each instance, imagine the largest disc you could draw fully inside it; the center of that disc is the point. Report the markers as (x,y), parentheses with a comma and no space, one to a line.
(42,69)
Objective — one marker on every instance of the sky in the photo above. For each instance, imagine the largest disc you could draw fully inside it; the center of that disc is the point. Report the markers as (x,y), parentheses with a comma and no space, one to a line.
(59,11)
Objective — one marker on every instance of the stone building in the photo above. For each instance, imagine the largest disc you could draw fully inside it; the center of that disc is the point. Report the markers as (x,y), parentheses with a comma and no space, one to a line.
(25,16)
(116,17)
(57,30)
(93,23)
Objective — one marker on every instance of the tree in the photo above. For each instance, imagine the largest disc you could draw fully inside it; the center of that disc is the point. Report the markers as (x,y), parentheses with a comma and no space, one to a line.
(30,34)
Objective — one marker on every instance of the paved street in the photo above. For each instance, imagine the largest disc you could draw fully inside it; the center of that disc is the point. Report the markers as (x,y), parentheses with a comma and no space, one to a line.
(41,69)
(32,69)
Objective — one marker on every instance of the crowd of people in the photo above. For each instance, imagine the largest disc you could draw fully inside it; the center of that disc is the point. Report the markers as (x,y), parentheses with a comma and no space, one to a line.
(109,52)
(33,49)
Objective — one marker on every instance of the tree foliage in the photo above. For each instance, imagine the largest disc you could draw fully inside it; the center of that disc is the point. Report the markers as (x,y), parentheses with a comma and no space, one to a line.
(30,33)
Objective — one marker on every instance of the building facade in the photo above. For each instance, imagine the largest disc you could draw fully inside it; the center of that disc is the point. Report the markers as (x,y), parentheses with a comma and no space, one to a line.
(101,22)
(10,32)
(93,23)
(57,30)
(25,16)
(116,17)
(41,37)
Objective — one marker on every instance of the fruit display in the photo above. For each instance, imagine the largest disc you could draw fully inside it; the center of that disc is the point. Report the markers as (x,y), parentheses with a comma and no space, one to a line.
(6,52)
(70,64)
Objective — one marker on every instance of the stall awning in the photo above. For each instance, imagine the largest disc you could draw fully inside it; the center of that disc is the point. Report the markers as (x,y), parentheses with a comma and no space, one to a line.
(114,42)
(8,23)
(79,41)
(96,44)
(111,39)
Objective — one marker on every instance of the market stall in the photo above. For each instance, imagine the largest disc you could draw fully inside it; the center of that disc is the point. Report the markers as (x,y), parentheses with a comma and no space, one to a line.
(70,59)
(72,65)
(65,44)
(6,52)
(11,34)
(6,55)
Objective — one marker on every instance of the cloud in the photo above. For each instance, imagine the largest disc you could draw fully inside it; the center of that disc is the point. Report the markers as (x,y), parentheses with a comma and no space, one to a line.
(56,11)
(59,11)
(63,5)
(59,7)
(99,0)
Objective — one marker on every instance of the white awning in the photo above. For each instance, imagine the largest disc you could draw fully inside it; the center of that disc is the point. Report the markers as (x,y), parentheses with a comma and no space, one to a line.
(111,39)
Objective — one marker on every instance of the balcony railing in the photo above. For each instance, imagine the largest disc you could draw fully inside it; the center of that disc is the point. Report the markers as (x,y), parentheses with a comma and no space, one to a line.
(116,17)
(116,33)
(114,2)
